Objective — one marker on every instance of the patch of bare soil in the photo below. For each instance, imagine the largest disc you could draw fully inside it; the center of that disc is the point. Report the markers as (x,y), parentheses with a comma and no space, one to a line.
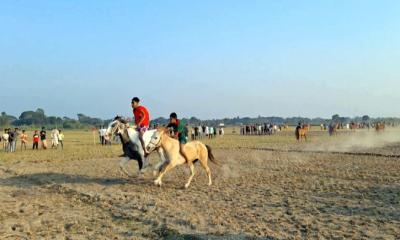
(256,194)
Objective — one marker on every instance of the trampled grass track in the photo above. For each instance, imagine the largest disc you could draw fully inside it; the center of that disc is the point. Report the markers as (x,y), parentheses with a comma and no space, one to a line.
(370,154)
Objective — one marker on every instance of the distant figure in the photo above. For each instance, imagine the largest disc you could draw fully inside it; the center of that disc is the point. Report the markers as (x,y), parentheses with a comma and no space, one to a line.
(297,131)
(5,138)
(196,132)
(332,129)
(101,135)
(24,140)
(43,138)
(54,138)
(210,132)
(192,134)
(61,139)
(36,140)
(11,140)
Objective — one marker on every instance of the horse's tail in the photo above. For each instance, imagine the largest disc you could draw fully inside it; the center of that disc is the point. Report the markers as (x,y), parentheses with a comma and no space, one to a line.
(211,156)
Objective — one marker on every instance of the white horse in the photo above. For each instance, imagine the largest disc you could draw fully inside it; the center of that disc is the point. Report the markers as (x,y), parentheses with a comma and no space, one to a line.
(132,146)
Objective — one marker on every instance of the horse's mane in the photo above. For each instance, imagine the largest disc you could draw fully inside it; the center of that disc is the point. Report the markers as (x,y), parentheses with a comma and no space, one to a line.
(163,129)
(120,119)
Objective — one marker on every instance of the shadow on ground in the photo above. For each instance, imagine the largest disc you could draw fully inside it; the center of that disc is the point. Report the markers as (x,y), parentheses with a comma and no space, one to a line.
(41,179)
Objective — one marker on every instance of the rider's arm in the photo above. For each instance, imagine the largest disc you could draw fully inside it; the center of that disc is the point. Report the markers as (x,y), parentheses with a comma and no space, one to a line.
(142,118)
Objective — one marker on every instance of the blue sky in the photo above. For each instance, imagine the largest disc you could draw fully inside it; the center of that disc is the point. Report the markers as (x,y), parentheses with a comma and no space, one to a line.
(209,59)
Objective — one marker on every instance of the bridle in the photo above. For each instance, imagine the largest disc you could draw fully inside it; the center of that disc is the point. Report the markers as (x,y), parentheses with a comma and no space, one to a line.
(154,145)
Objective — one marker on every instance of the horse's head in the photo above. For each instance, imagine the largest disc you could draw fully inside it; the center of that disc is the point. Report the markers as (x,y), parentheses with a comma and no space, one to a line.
(116,127)
(156,139)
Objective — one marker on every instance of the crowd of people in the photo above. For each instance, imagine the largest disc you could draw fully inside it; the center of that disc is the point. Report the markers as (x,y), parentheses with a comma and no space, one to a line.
(260,129)
(200,132)
(10,138)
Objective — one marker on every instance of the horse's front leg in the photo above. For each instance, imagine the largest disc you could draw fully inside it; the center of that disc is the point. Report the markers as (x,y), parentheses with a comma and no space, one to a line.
(158,181)
(159,166)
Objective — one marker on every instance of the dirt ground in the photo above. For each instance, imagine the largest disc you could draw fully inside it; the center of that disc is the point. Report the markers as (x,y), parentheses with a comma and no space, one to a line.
(313,192)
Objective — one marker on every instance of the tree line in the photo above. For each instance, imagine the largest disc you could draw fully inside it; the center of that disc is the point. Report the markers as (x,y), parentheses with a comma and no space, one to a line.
(38,118)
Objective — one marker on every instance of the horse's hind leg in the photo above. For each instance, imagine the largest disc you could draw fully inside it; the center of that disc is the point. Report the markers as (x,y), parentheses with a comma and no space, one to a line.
(204,164)
(191,166)
(122,165)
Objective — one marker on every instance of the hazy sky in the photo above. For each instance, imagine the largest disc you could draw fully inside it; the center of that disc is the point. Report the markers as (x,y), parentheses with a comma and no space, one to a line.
(208,59)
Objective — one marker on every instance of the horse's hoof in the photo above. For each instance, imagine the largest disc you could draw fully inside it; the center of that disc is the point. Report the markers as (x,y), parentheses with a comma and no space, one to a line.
(187,186)
(157,183)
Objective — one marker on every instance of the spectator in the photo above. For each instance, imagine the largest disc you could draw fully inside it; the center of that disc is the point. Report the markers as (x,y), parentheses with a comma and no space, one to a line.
(102,133)
(11,141)
(43,138)
(192,133)
(35,140)
(196,132)
(54,138)
(211,132)
(24,139)
(61,139)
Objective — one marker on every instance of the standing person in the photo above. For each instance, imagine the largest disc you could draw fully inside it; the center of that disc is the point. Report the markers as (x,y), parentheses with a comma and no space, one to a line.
(35,140)
(196,132)
(142,120)
(61,139)
(297,131)
(16,135)
(43,138)
(180,132)
(101,140)
(5,139)
(210,132)
(193,135)
(11,140)
(54,138)
(24,139)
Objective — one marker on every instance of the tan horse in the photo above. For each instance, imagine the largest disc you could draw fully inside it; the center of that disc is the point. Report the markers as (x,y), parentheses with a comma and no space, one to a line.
(379,127)
(195,151)
(303,132)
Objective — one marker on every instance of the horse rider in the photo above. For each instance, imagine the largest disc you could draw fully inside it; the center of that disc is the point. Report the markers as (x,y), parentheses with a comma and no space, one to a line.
(142,120)
(180,132)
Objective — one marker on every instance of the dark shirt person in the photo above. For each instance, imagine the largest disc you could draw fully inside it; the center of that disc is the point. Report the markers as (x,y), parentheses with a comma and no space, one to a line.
(180,132)
(43,138)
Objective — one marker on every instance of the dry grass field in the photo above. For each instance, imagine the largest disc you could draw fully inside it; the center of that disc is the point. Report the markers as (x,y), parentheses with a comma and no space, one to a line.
(267,187)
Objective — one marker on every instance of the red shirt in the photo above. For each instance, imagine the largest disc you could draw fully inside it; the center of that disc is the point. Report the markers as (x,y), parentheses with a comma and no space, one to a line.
(139,113)
(35,138)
